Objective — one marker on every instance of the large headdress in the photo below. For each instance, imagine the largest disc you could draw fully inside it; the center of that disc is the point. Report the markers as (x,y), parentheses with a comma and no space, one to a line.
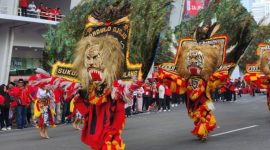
(136,25)
(99,55)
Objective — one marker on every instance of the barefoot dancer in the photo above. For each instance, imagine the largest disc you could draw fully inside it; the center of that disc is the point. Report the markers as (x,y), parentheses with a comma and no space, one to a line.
(43,111)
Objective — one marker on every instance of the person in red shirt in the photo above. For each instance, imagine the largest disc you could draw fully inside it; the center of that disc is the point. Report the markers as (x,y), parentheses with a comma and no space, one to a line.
(232,89)
(222,92)
(168,97)
(24,5)
(252,89)
(49,14)
(43,11)
(146,95)
(53,13)
(19,103)
(58,14)
(58,94)
(26,102)
(154,98)
(67,97)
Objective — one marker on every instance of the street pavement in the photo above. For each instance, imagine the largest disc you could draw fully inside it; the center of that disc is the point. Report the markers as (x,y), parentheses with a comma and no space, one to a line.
(242,125)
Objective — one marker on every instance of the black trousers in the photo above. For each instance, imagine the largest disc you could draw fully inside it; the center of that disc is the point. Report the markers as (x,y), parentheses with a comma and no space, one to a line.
(228,95)
(28,114)
(134,104)
(234,95)
(4,117)
(183,98)
(161,102)
(146,102)
(24,11)
(167,104)
(66,111)
(175,98)
(128,111)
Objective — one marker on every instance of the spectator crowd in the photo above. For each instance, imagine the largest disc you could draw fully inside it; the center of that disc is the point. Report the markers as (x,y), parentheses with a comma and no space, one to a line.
(41,11)
(151,96)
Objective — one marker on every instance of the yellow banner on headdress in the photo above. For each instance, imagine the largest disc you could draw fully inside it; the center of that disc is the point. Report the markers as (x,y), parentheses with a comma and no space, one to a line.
(65,71)
(120,29)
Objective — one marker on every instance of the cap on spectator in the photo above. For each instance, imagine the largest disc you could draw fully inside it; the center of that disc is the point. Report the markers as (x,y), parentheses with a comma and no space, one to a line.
(20,80)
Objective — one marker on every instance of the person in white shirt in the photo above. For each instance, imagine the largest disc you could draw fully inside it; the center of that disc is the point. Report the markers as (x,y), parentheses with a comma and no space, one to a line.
(32,8)
(161,94)
(140,92)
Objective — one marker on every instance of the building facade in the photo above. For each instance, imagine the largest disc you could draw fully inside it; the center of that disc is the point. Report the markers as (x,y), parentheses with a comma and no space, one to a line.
(247,4)
(261,11)
(21,41)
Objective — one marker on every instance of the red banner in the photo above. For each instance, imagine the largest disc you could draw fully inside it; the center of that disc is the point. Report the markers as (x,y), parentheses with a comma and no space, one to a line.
(193,7)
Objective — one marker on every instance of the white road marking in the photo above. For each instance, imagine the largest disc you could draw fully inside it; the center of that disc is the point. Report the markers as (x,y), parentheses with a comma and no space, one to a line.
(240,129)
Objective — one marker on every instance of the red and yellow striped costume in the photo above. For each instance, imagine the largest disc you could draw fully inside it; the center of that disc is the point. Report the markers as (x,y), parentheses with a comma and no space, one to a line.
(104,121)
(261,81)
(199,102)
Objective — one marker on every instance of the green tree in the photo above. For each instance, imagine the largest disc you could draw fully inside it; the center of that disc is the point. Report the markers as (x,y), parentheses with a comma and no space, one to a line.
(164,53)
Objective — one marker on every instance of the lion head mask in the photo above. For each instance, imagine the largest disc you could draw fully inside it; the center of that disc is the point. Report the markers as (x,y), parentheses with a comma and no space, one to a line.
(98,60)
(200,56)
(199,60)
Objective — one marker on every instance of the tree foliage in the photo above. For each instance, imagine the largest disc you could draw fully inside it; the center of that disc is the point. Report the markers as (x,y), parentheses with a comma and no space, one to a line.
(164,53)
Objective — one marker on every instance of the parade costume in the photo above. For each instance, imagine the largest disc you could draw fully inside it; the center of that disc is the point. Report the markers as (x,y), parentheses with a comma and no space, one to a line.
(44,107)
(43,110)
(261,77)
(199,102)
(98,61)
(200,69)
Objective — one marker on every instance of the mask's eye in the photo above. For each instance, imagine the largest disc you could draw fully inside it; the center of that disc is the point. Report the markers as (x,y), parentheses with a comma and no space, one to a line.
(95,57)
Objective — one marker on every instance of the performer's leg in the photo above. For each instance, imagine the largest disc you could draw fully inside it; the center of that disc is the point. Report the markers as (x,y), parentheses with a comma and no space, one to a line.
(46,132)
(204,121)
(41,132)
(78,122)
(75,123)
